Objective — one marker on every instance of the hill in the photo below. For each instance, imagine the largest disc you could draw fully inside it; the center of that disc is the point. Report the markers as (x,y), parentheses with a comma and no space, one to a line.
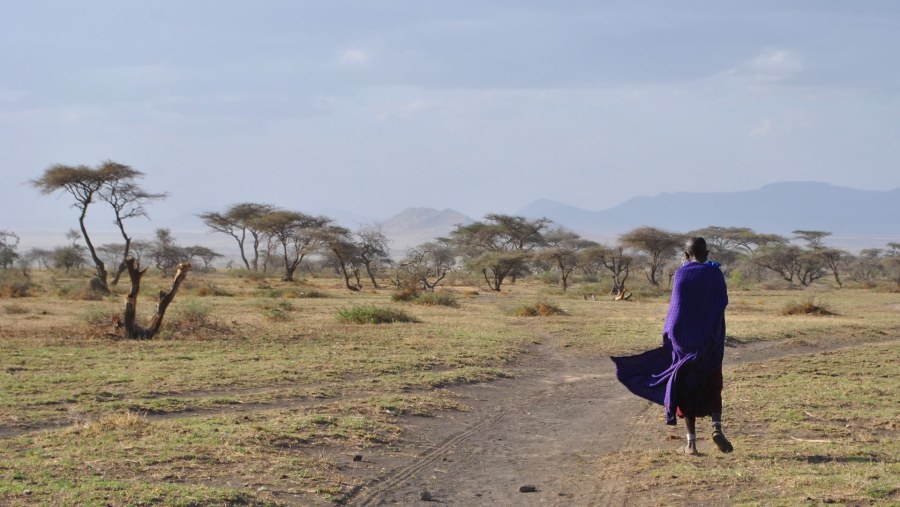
(776,208)
(414,226)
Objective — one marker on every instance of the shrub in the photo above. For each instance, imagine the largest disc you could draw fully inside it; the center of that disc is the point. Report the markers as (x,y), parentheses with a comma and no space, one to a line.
(280,311)
(191,315)
(14,284)
(211,289)
(406,294)
(442,298)
(807,307)
(374,315)
(539,309)
(14,309)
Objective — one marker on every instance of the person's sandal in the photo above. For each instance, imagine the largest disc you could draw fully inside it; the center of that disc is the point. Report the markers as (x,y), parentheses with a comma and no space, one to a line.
(721,442)
(690,451)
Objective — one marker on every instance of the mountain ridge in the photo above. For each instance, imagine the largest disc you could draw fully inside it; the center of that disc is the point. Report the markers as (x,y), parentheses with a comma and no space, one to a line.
(774,208)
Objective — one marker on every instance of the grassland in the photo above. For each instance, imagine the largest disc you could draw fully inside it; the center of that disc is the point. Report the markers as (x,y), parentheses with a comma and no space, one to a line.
(257,392)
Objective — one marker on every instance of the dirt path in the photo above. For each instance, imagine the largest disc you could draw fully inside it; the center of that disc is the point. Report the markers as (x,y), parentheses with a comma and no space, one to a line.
(544,428)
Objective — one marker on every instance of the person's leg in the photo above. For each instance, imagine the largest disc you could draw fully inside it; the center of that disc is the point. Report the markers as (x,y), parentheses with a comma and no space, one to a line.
(690,423)
(718,436)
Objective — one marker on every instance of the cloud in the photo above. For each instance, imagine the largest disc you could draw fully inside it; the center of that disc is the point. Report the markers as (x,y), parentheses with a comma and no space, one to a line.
(354,56)
(775,64)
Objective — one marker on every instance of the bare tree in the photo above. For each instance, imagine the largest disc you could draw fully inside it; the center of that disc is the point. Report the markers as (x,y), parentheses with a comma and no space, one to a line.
(132,328)
(237,221)
(9,241)
(83,184)
(372,248)
(868,264)
(658,244)
(127,198)
(891,263)
(166,254)
(426,264)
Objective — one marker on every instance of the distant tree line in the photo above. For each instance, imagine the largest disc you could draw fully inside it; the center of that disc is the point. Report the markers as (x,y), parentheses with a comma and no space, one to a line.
(497,250)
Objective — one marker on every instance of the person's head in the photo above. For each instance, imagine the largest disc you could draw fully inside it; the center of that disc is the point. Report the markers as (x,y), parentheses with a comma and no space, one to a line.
(695,249)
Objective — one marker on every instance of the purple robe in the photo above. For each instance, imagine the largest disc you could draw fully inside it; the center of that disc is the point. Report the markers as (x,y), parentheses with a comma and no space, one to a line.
(693,341)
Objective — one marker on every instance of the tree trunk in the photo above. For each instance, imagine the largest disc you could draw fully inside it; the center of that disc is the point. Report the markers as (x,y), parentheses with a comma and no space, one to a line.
(101,268)
(371,275)
(132,329)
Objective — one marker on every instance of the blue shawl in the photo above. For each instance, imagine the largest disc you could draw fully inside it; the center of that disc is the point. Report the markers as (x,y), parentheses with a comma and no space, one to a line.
(693,340)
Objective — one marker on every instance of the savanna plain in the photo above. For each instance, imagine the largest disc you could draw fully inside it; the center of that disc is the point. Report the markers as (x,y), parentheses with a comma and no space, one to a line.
(263,392)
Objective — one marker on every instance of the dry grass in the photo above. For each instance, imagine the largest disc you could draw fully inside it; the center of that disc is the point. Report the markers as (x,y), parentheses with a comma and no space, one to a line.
(327,386)
(539,309)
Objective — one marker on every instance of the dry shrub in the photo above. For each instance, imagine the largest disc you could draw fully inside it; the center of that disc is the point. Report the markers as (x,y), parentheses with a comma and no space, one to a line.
(125,421)
(212,290)
(14,309)
(539,309)
(442,298)
(14,284)
(406,294)
(807,307)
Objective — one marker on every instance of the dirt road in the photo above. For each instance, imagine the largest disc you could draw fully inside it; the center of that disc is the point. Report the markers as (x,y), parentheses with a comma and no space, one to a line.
(545,428)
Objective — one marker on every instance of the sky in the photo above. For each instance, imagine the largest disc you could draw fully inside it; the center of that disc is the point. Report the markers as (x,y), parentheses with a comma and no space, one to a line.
(364,108)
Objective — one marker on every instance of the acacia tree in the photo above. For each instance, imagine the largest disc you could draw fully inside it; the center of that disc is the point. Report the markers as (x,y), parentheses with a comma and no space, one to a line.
(891,263)
(296,234)
(237,221)
(658,244)
(612,259)
(338,243)
(126,198)
(372,249)
(813,238)
(426,264)
(501,245)
(83,184)
(780,258)
(835,260)
(562,251)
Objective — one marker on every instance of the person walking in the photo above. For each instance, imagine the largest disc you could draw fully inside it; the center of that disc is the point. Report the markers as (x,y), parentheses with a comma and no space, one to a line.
(685,374)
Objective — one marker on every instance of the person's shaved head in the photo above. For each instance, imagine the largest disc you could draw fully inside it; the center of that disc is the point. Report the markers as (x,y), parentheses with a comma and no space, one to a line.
(695,249)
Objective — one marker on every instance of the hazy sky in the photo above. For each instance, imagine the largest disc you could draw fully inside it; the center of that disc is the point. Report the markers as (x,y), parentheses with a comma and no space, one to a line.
(374,106)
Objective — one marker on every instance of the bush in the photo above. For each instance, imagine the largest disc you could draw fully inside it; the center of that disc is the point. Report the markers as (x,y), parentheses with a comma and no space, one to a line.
(191,315)
(14,284)
(406,294)
(213,290)
(374,315)
(807,307)
(443,298)
(280,311)
(540,309)
(14,309)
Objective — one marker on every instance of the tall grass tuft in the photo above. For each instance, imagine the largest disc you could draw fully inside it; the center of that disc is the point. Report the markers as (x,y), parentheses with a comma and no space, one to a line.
(808,307)
(539,309)
(374,315)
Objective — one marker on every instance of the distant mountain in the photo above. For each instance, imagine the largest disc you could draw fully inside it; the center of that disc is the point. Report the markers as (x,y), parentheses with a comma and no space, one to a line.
(776,208)
(414,226)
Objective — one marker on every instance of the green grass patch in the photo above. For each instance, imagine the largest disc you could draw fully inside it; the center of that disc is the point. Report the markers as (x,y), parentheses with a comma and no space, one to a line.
(374,315)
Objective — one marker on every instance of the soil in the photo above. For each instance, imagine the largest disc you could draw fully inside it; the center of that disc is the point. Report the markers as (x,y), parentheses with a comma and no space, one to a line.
(544,428)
